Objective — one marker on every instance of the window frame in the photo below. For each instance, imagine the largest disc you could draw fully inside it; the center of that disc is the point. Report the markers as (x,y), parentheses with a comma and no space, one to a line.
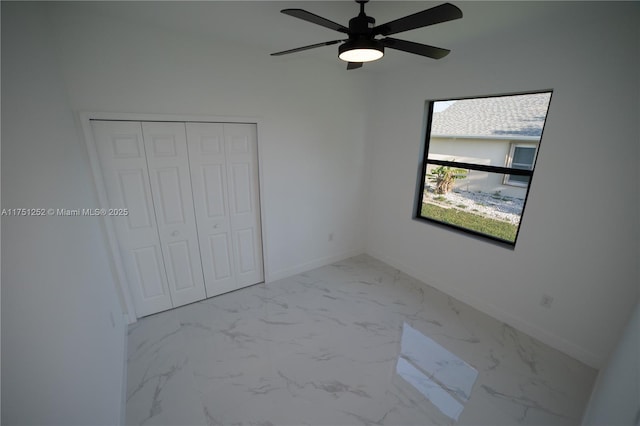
(425,161)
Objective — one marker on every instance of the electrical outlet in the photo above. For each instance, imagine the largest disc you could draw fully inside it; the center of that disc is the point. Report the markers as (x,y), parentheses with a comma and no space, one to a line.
(546,301)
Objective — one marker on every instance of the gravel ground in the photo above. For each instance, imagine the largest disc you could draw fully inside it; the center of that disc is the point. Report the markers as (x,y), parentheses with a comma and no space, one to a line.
(494,206)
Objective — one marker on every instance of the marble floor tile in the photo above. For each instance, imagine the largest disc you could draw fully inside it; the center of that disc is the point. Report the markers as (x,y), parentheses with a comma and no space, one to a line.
(353,343)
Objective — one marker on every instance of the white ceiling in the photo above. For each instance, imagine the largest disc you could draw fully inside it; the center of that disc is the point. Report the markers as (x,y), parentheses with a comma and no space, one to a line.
(261,25)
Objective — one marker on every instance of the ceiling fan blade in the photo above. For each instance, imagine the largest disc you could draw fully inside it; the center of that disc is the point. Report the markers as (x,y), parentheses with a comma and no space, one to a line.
(311,46)
(443,13)
(315,19)
(416,48)
(354,65)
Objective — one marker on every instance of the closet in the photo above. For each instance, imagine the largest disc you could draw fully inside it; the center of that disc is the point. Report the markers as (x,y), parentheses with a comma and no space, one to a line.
(191,189)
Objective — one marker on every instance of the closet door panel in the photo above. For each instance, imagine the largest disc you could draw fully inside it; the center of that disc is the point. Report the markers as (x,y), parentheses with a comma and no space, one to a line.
(181,264)
(209,183)
(220,249)
(170,193)
(134,186)
(168,163)
(244,213)
(121,152)
(213,182)
(148,263)
(246,254)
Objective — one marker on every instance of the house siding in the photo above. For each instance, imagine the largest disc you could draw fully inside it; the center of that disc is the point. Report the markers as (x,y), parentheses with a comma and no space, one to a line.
(493,152)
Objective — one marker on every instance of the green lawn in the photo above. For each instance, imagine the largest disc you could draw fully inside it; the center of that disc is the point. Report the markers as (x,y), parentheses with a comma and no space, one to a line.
(496,228)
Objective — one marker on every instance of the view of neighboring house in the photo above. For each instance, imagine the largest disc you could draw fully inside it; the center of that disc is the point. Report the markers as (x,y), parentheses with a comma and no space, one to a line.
(498,131)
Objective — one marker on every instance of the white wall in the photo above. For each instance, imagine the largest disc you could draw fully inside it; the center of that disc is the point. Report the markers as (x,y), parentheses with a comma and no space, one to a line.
(616,395)
(311,138)
(579,236)
(63,334)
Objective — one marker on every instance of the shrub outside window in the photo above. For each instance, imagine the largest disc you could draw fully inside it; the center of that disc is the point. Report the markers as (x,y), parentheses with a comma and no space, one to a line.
(478,163)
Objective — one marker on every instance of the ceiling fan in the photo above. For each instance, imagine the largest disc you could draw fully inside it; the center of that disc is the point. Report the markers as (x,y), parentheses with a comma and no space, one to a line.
(362,44)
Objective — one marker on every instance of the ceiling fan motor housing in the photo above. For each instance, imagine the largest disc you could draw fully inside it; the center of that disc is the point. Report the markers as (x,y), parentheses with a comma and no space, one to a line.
(361,25)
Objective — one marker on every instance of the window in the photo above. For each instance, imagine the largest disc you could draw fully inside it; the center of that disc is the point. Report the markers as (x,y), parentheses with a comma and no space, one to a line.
(478,163)
(520,157)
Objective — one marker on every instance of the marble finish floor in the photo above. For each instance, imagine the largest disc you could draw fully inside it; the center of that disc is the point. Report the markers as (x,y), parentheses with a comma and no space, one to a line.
(353,343)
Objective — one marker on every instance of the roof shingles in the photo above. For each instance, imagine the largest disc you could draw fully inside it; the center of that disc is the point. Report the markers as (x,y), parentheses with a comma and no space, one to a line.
(502,116)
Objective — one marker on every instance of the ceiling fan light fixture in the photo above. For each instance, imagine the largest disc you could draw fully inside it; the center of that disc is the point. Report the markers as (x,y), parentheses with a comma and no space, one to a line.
(361,51)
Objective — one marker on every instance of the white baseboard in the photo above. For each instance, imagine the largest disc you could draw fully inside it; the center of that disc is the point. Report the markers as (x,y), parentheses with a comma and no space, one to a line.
(317,263)
(556,342)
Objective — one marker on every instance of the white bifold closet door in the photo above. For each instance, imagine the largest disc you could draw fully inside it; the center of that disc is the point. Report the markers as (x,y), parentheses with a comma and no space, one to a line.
(224,175)
(168,162)
(193,229)
(123,162)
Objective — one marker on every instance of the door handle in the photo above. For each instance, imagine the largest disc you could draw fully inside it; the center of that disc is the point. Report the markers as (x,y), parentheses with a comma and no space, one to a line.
(175,233)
